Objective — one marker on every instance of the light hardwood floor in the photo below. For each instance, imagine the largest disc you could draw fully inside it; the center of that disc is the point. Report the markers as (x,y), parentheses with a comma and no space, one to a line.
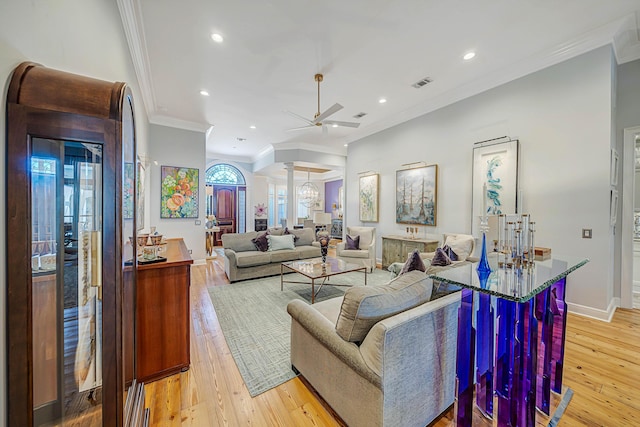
(602,366)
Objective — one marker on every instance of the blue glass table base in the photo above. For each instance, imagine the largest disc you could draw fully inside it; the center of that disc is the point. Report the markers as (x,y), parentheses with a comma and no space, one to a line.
(512,385)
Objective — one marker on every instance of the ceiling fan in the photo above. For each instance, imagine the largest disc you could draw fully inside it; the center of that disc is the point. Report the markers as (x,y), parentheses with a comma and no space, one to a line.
(319,118)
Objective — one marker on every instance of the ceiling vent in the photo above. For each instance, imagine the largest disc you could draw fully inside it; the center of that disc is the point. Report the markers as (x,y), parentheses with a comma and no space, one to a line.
(422,82)
(359,115)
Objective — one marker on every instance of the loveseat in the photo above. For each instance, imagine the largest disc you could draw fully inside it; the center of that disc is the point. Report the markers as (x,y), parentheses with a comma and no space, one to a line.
(401,371)
(243,260)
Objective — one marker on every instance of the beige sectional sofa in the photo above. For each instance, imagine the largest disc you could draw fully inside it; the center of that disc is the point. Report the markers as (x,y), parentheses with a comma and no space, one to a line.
(401,371)
(242,260)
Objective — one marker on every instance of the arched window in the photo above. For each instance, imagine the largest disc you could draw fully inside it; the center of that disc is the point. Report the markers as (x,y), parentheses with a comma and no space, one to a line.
(226,198)
(223,173)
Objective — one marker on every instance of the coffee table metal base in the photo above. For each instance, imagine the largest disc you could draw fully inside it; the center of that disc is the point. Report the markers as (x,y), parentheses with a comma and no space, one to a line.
(314,274)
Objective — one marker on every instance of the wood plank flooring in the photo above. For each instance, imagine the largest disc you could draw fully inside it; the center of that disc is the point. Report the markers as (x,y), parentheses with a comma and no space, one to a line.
(602,366)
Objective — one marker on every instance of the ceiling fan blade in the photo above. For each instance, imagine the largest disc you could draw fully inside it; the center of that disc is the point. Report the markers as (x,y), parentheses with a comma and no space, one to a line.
(331,110)
(297,116)
(342,124)
(300,128)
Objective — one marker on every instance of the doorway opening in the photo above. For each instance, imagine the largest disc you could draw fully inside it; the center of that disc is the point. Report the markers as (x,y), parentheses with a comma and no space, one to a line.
(226,199)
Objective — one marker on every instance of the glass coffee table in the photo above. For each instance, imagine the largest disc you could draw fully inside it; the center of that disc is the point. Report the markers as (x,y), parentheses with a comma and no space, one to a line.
(314,270)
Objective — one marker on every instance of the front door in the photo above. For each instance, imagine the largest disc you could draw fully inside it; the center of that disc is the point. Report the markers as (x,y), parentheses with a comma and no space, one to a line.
(224,208)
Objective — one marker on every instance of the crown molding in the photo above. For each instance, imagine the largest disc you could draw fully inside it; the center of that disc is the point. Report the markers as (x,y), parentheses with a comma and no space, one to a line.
(623,30)
(173,122)
(131,16)
(626,41)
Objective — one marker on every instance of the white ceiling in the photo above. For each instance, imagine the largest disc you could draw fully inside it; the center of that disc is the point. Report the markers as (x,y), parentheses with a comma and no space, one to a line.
(366,49)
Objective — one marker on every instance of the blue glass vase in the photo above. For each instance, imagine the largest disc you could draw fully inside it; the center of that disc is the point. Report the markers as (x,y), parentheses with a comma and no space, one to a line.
(483,268)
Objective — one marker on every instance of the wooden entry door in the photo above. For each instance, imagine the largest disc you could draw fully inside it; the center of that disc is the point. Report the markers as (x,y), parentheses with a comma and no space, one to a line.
(224,205)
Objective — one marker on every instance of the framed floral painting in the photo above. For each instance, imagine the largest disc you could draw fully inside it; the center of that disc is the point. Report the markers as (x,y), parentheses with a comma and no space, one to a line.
(179,193)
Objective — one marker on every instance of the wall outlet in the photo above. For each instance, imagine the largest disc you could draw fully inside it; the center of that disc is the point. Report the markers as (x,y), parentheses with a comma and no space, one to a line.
(586,233)
(198,222)
(190,251)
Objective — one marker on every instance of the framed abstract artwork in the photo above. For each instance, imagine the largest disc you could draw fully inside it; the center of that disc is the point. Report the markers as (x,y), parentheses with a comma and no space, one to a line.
(416,195)
(495,180)
(179,193)
(368,197)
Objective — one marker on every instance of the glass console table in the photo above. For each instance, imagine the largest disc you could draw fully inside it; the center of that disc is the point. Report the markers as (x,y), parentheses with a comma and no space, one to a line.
(517,342)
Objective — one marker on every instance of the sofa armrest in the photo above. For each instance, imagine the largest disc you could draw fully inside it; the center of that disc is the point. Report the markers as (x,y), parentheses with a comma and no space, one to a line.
(325,332)
(340,247)
(231,256)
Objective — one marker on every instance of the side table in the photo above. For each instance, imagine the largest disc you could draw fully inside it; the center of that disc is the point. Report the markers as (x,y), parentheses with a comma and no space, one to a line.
(210,240)
(517,344)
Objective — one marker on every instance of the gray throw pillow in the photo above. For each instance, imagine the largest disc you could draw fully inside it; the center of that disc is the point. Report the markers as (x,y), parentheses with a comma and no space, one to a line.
(414,262)
(364,306)
(353,243)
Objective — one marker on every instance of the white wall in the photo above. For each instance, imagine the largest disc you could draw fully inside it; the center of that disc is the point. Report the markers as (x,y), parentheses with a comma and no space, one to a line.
(184,148)
(562,116)
(82,37)
(627,115)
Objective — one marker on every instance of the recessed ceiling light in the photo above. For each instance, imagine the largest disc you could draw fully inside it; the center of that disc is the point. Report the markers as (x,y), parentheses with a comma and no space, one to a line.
(217,38)
(252,127)
(204,93)
(346,145)
(469,55)
(334,125)
(382,100)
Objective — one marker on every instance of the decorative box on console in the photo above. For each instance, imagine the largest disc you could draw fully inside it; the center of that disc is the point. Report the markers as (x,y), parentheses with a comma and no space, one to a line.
(542,253)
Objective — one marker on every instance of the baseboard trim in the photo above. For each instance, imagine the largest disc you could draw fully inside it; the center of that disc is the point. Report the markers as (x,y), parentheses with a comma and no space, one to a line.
(199,261)
(604,315)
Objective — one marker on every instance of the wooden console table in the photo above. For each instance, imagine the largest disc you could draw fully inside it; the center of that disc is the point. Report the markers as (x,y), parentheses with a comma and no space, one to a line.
(163,314)
(396,248)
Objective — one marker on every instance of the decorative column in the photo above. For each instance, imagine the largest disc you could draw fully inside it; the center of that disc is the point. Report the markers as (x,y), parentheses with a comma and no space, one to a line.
(291,190)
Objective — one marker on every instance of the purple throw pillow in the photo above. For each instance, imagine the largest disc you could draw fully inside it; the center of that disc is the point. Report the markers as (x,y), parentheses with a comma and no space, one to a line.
(261,242)
(414,262)
(452,255)
(353,242)
(440,258)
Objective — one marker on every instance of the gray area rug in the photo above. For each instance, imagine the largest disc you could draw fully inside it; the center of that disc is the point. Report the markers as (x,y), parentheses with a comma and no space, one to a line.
(254,320)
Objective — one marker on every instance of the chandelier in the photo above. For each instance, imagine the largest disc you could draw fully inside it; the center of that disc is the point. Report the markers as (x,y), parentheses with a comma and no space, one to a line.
(308,193)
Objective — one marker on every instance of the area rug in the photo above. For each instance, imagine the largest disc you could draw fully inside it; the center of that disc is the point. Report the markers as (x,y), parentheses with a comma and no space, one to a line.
(254,320)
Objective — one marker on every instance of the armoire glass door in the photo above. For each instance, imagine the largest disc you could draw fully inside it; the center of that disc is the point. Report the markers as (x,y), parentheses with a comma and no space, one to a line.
(66,268)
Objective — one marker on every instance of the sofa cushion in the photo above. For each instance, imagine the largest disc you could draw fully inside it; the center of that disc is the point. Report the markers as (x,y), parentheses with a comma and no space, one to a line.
(308,251)
(252,258)
(261,242)
(414,262)
(278,243)
(353,242)
(284,255)
(360,253)
(363,306)
(239,242)
(276,231)
(461,244)
(305,236)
